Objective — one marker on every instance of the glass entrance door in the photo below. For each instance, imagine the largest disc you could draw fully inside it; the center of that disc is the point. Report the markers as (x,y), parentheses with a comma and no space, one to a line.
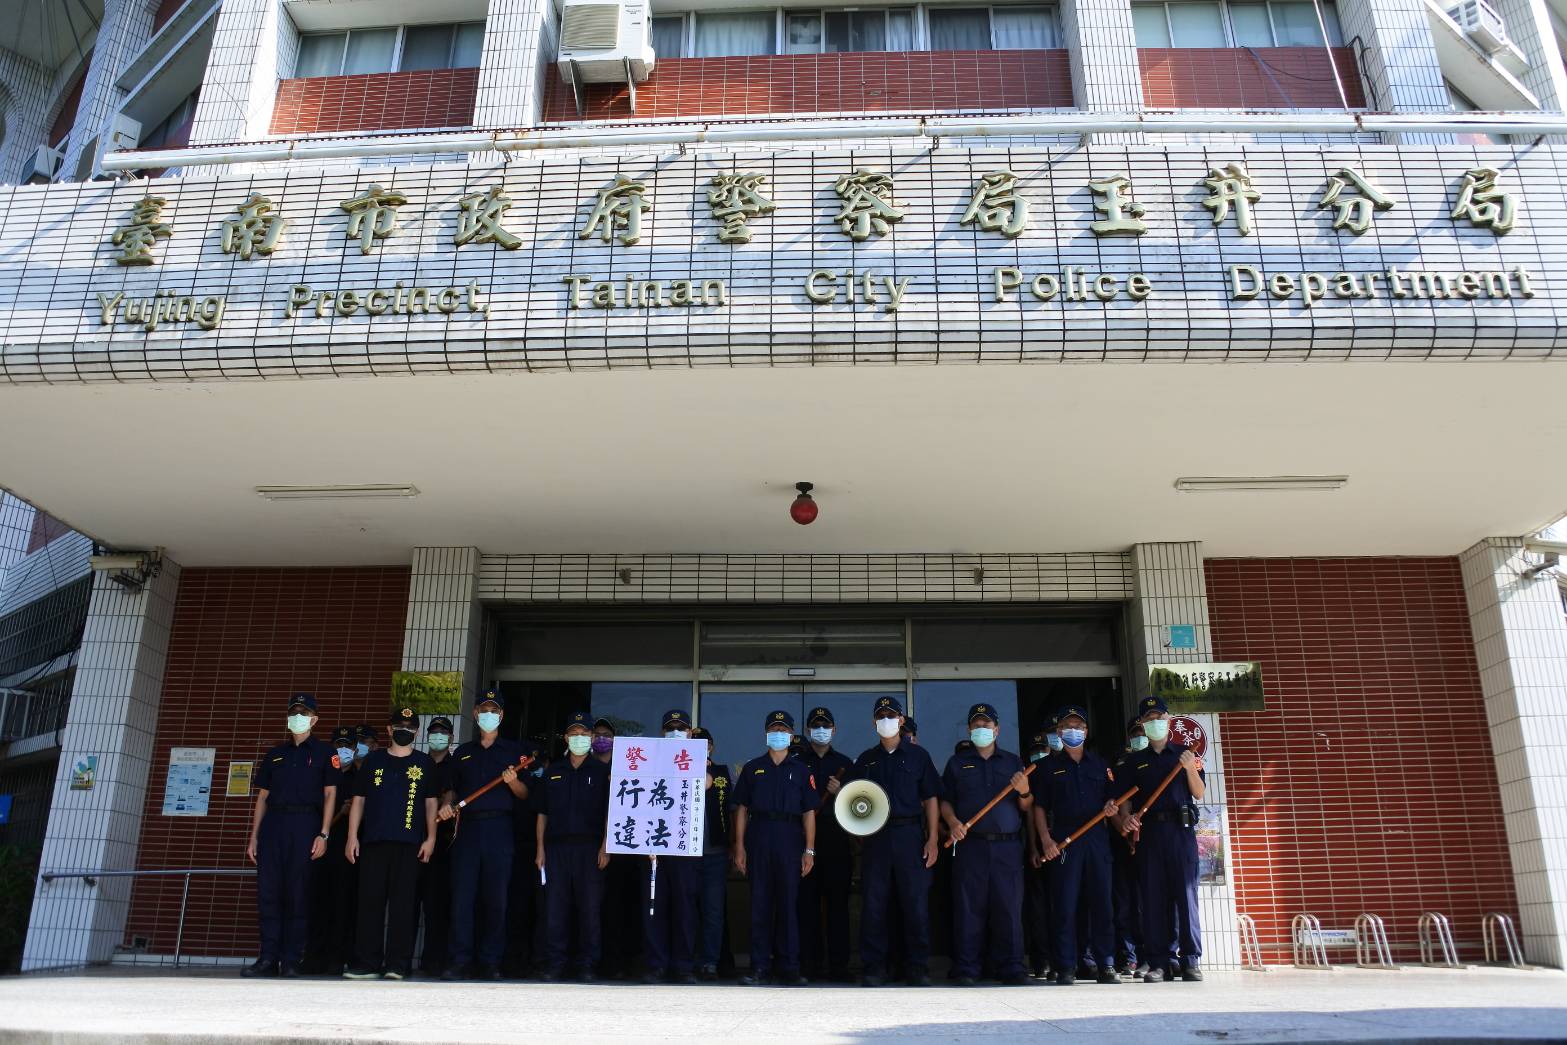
(735,713)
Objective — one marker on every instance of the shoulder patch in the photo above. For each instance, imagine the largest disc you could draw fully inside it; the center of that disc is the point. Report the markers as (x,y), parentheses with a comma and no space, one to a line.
(337,763)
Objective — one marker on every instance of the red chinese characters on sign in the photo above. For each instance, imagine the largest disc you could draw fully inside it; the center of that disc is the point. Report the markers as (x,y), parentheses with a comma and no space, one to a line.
(634,758)
(683,760)
(1188,732)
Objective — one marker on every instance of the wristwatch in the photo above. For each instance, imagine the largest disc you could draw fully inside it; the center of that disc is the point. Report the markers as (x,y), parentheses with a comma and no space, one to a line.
(323,835)
(810,852)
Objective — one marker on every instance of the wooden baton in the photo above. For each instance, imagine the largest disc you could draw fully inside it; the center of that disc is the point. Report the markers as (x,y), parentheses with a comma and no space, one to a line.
(977,817)
(522,763)
(1132,842)
(1081,831)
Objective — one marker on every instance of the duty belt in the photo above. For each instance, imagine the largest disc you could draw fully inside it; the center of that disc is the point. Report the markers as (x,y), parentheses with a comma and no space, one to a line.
(786,817)
(994,836)
(1181,816)
(485,814)
(293,807)
(894,821)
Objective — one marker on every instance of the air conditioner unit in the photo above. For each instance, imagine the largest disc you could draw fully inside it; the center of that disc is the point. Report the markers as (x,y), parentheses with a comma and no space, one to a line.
(124,132)
(1483,24)
(46,164)
(602,41)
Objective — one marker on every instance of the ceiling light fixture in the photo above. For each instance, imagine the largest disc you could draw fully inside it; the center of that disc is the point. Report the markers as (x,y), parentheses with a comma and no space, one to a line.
(803,509)
(1230,483)
(333,493)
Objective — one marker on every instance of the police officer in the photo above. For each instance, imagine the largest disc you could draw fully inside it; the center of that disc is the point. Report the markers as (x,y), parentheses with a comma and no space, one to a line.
(828,884)
(337,879)
(435,876)
(775,846)
(572,802)
(898,858)
(365,741)
(625,886)
(713,896)
(1038,936)
(391,832)
(1074,787)
(296,789)
(1123,862)
(987,859)
(1166,848)
(482,850)
(670,922)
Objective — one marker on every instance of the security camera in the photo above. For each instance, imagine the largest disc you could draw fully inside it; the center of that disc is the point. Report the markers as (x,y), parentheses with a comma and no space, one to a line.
(125,561)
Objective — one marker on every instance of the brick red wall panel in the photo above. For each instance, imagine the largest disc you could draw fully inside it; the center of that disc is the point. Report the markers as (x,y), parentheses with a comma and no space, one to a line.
(66,117)
(1247,78)
(809,83)
(376,101)
(1368,784)
(165,11)
(242,641)
(45,529)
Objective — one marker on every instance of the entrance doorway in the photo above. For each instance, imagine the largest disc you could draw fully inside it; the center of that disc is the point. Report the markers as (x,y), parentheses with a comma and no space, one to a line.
(735,713)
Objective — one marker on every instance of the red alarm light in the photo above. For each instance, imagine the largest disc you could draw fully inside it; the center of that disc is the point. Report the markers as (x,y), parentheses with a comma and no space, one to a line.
(804,508)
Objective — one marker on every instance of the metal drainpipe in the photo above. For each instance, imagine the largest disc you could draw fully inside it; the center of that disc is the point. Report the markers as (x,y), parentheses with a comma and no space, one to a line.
(1327,46)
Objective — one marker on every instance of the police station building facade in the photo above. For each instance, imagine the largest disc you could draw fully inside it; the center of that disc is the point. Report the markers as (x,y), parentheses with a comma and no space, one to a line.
(1110,335)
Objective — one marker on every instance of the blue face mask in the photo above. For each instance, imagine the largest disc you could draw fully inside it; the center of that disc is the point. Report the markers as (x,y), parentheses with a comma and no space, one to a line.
(489,721)
(1054,742)
(1036,756)
(984,736)
(1137,743)
(345,755)
(440,741)
(778,741)
(361,749)
(821,735)
(299,725)
(538,770)
(1074,737)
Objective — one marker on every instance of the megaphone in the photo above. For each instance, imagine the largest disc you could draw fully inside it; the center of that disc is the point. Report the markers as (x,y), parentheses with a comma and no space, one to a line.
(862,807)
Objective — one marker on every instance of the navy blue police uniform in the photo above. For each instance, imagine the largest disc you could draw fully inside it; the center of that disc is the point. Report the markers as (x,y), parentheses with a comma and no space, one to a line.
(1123,879)
(669,924)
(824,893)
(435,877)
(776,797)
(394,793)
(295,779)
(1167,872)
(482,851)
(892,862)
(713,946)
(1072,792)
(1038,930)
(574,802)
(987,866)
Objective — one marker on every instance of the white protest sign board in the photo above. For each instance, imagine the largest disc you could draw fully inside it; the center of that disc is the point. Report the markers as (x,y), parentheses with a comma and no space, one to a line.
(657,796)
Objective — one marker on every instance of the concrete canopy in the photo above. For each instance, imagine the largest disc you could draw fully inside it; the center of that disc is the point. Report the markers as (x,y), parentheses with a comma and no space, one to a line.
(920,459)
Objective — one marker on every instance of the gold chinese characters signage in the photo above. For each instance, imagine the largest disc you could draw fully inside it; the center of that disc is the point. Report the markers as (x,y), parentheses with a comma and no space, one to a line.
(868,208)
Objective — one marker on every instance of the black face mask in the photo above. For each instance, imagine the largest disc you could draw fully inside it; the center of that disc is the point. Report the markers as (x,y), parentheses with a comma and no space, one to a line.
(403,737)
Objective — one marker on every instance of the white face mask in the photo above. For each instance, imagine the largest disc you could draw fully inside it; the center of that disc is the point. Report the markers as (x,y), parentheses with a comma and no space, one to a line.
(676,734)
(888,727)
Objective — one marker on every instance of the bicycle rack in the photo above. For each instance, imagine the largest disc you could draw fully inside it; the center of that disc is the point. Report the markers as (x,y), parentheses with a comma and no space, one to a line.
(1497,922)
(1251,947)
(1371,943)
(1306,942)
(1436,932)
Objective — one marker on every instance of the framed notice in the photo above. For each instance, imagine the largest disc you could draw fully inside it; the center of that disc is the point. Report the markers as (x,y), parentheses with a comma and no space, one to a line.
(239,779)
(428,692)
(1210,845)
(188,790)
(85,774)
(657,796)
(1186,688)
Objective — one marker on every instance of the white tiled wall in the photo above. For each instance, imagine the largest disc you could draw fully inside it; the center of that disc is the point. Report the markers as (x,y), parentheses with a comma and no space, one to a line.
(1520,637)
(445,621)
(255,44)
(26,91)
(1169,589)
(123,31)
(516,47)
(114,706)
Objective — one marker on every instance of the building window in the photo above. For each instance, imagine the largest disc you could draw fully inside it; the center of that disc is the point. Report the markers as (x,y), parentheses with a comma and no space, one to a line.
(705,34)
(1242,23)
(405,49)
(158,135)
